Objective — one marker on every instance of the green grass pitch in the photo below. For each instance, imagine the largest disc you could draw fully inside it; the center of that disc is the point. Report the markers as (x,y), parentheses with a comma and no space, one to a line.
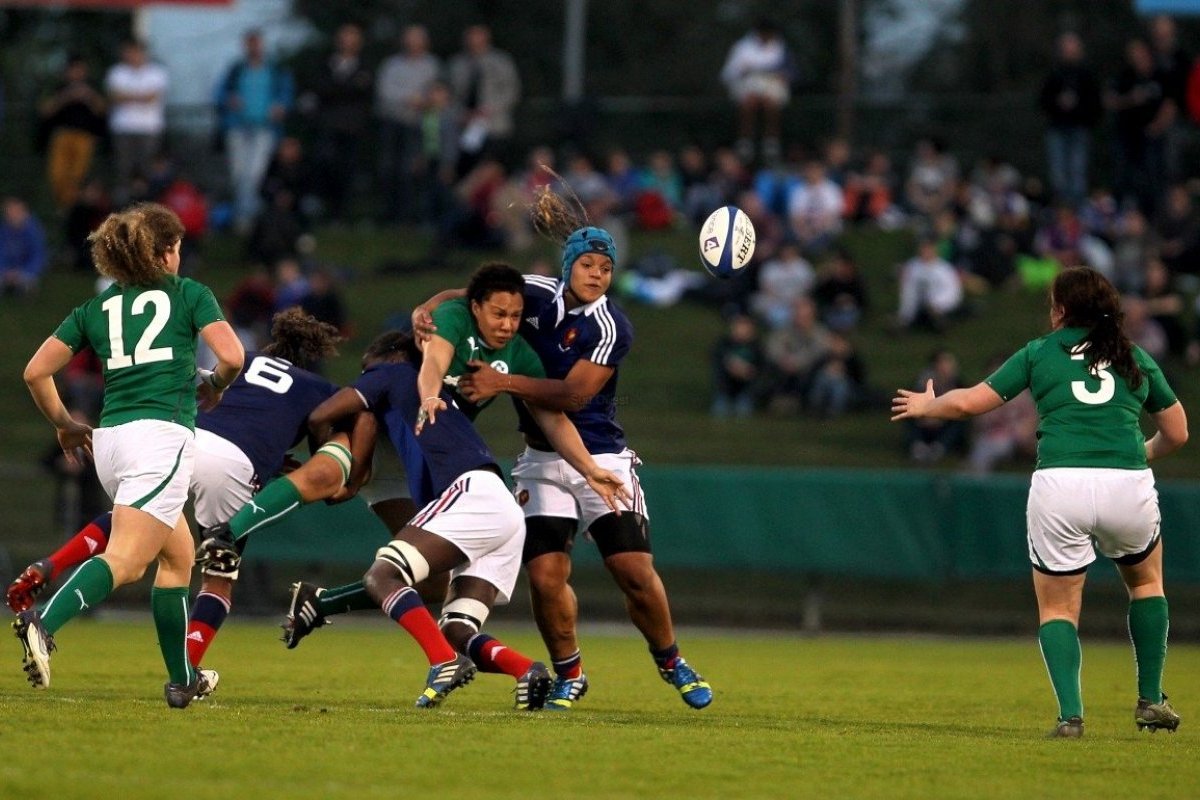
(887,717)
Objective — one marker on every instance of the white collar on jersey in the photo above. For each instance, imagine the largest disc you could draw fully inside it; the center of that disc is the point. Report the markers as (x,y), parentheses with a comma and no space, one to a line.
(587,310)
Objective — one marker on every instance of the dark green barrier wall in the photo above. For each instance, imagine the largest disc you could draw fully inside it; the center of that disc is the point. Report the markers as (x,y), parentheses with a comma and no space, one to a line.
(820,522)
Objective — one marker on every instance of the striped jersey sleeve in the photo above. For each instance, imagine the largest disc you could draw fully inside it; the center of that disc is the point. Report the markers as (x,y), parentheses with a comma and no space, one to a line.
(615,336)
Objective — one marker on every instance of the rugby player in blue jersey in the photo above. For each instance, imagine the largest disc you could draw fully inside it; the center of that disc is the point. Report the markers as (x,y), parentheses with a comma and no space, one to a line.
(240,443)
(469,524)
(580,338)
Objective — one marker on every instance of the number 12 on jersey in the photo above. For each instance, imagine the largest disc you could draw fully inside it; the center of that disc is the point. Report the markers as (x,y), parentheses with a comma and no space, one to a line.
(144,351)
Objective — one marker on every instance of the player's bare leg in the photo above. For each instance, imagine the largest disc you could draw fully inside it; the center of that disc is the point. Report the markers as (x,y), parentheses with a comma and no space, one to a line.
(1148,623)
(556,610)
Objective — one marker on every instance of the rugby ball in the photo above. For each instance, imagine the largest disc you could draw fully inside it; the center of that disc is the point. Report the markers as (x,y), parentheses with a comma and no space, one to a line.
(726,241)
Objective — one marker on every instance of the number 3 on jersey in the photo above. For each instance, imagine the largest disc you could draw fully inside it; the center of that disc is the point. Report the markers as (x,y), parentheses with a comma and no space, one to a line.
(1108,386)
(144,352)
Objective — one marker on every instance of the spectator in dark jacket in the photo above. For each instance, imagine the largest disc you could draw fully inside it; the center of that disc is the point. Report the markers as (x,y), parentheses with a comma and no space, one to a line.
(74,120)
(1070,100)
(22,248)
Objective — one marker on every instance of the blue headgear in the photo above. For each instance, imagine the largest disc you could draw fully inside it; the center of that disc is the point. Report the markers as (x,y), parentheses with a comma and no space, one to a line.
(586,240)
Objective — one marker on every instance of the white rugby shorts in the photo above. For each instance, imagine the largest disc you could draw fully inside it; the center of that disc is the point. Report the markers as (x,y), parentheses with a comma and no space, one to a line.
(547,486)
(479,516)
(389,480)
(222,480)
(1069,508)
(146,464)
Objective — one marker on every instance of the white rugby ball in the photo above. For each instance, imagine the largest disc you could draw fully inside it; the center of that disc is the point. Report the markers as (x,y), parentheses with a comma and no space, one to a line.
(726,241)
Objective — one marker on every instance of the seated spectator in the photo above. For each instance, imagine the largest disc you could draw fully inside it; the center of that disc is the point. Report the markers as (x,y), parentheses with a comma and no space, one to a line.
(661,177)
(1131,250)
(290,170)
(870,193)
(792,354)
(475,220)
(780,281)
(1142,329)
(85,215)
(251,305)
(1179,233)
(815,209)
(930,290)
(1005,434)
(770,232)
(324,301)
(585,181)
(624,180)
(277,230)
(927,441)
(1101,213)
(840,293)
(839,381)
(932,179)
(728,178)
(83,383)
(699,199)
(1062,238)
(291,286)
(1165,305)
(737,365)
(22,249)
(837,154)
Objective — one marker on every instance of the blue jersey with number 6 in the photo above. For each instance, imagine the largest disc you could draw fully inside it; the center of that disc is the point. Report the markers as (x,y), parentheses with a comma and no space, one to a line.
(265,411)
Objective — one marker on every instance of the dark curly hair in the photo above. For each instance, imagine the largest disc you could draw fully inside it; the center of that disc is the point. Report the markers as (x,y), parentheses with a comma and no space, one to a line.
(301,338)
(394,346)
(129,245)
(1090,302)
(493,277)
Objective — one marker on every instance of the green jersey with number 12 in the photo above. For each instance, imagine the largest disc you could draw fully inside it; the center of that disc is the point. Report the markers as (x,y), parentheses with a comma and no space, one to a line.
(1087,419)
(145,337)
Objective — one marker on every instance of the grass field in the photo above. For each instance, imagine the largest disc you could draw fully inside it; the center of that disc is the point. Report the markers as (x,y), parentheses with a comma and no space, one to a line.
(793,717)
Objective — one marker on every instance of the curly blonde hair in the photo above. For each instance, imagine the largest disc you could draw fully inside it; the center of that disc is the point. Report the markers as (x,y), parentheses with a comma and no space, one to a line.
(129,245)
(552,216)
(301,338)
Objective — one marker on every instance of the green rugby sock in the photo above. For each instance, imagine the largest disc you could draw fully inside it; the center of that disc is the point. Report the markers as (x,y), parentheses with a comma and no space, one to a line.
(276,500)
(1148,623)
(170,607)
(1060,649)
(88,587)
(341,599)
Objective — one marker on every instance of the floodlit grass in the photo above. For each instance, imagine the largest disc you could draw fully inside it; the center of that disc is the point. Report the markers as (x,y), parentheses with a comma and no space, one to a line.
(793,717)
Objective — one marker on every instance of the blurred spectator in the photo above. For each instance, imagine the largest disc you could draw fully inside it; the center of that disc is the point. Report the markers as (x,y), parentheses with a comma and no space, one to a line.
(1004,434)
(870,193)
(660,192)
(289,171)
(183,196)
(1131,249)
(84,216)
(401,95)
(474,221)
(1178,232)
(699,197)
(1137,98)
(839,380)
(137,90)
(1061,239)
(815,209)
(780,281)
(73,120)
(83,382)
(792,353)
(487,88)
(439,154)
(1100,213)
(22,249)
(277,231)
(728,178)
(324,301)
(1165,304)
(78,494)
(759,72)
(836,157)
(291,287)
(623,179)
(929,440)
(1142,329)
(339,101)
(737,364)
(841,293)
(930,289)
(251,305)
(1070,100)
(932,178)
(1173,65)
(252,101)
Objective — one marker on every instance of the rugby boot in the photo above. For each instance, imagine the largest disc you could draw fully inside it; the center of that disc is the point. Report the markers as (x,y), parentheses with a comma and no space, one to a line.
(28,585)
(1154,716)
(566,692)
(1071,728)
(694,690)
(38,646)
(533,688)
(444,678)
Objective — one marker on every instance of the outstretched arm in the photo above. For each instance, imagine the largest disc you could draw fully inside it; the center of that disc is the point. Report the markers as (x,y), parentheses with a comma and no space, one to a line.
(954,404)
(564,437)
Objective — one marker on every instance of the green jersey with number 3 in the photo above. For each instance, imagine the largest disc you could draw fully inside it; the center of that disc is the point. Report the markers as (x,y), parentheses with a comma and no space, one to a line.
(1087,419)
(145,337)
(457,326)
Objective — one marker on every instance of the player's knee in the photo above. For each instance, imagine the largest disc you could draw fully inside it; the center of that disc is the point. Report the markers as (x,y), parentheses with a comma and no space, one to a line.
(548,575)
(462,618)
(375,581)
(124,570)
(633,572)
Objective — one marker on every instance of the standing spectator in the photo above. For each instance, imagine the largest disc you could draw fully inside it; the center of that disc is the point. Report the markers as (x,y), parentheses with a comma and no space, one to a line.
(137,91)
(930,289)
(1142,114)
(1179,232)
(737,364)
(439,150)
(1173,65)
(252,101)
(759,72)
(73,119)
(1070,100)
(22,248)
(487,88)
(401,96)
(340,100)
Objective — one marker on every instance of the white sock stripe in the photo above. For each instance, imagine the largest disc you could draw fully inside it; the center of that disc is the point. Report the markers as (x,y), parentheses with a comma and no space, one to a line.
(390,602)
(258,525)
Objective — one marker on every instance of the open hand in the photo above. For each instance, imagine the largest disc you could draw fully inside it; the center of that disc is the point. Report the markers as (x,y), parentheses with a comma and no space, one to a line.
(610,488)
(912,405)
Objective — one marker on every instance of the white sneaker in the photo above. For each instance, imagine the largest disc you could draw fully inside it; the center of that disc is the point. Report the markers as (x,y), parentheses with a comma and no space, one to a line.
(38,645)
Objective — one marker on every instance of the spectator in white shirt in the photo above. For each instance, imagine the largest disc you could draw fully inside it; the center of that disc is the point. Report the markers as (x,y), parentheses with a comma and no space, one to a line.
(930,289)
(815,208)
(401,90)
(137,91)
(780,281)
(758,72)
